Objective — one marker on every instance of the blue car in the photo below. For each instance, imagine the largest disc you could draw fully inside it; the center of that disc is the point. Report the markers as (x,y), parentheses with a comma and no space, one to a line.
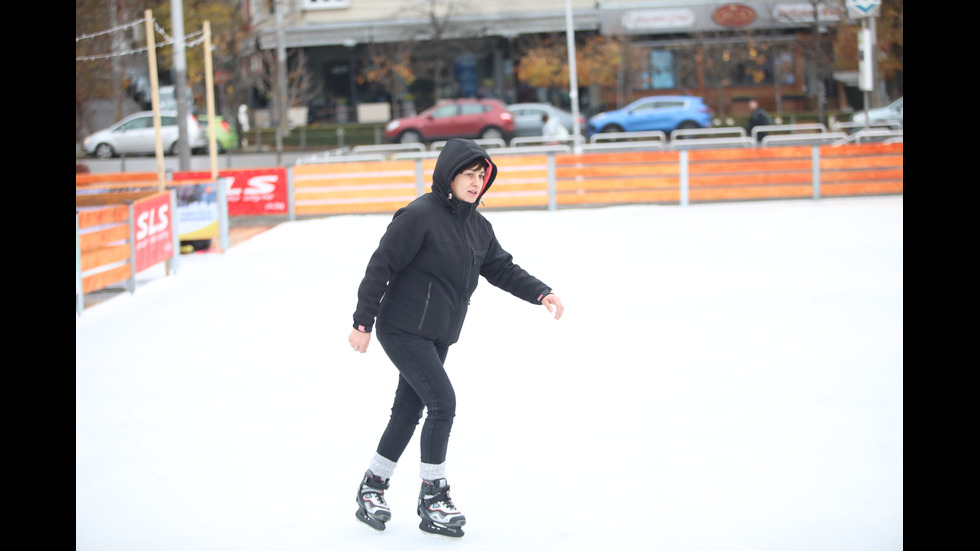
(664,113)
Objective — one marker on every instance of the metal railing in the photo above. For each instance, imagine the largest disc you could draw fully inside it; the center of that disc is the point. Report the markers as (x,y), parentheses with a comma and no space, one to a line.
(645,145)
(680,140)
(700,133)
(618,136)
(545,140)
(769,129)
(812,138)
(850,126)
(711,143)
(484,142)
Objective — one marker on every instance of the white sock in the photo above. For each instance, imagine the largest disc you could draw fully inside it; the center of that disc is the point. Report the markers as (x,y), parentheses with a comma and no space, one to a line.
(431,471)
(382,466)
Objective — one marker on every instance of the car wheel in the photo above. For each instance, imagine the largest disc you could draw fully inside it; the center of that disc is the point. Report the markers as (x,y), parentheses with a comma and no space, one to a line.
(610,128)
(492,133)
(410,136)
(104,151)
(687,125)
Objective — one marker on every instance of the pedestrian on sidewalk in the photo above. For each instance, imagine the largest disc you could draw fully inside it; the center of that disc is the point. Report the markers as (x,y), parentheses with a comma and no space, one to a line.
(758,117)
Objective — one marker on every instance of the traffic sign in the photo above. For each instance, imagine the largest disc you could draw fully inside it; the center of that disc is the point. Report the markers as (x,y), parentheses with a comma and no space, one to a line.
(863,8)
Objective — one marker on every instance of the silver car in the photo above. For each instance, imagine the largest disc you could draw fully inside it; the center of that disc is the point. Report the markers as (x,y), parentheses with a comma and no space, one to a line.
(134,135)
(527,118)
(891,112)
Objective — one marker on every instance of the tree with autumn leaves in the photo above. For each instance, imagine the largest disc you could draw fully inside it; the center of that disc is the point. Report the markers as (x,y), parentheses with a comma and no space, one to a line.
(601,61)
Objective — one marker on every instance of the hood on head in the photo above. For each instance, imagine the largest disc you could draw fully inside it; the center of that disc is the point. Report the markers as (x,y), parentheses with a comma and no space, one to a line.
(454,157)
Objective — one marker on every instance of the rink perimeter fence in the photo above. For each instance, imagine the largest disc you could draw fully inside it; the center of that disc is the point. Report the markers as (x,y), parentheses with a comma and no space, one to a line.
(118,236)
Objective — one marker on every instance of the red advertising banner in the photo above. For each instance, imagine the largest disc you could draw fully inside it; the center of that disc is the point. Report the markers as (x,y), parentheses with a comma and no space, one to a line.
(257,191)
(154,231)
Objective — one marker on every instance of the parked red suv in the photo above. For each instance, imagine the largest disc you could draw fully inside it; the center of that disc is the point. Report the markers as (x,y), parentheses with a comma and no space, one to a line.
(459,118)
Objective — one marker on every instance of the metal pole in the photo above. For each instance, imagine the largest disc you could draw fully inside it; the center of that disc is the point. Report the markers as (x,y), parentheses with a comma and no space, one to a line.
(180,84)
(290,196)
(282,125)
(131,283)
(174,260)
(572,74)
(867,93)
(223,239)
(419,178)
(685,183)
(815,170)
(79,298)
(552,184)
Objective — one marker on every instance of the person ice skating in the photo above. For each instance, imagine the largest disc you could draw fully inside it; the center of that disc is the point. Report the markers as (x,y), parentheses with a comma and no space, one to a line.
(425,269)
(759,117)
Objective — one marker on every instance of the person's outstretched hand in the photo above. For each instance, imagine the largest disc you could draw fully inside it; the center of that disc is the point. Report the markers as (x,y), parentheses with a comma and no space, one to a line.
(553,304)
(359,340)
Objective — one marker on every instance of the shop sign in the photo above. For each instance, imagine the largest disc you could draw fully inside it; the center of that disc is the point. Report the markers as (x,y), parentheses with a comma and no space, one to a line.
(733,15)
(803,13)
(678,18)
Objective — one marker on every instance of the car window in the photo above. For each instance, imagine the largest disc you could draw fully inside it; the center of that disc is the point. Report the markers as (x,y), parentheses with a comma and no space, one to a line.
(168,121)
(660,104)
(138,123)
(646,106)
(472,109)
(445,111)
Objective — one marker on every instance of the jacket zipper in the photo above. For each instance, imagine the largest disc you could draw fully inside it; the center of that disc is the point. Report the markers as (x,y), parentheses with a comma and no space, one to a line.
(425,309)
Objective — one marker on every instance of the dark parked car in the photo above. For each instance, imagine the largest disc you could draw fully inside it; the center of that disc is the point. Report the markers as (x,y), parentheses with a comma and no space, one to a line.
(527,118)
(664,113)
(460,118)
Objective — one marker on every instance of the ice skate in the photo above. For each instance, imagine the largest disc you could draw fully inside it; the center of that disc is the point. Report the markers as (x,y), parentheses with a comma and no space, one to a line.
(372,509)
(439,515)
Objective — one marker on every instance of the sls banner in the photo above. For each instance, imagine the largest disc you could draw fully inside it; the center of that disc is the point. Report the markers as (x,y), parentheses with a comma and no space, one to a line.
(258,191)
(154,231)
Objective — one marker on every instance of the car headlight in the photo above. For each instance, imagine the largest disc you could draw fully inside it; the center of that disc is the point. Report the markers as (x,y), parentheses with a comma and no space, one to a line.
(392,125)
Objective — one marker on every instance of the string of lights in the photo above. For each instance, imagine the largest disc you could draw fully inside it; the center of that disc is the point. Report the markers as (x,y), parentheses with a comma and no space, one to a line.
(190,40)
(112,30)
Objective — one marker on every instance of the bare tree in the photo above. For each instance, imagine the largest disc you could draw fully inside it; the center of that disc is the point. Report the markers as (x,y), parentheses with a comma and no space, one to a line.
(301,87)
(431,39)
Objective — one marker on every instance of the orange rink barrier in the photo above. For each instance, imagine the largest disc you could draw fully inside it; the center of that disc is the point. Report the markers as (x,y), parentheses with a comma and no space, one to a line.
(555,180)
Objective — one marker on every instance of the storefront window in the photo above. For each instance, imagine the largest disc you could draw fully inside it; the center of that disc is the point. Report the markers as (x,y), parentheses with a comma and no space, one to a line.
(662,70)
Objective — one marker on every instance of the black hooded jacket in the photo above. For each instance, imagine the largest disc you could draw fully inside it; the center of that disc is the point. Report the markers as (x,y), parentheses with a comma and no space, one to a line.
(428,263)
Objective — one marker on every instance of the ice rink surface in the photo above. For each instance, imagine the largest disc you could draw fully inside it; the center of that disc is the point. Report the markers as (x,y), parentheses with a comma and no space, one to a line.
(727,377)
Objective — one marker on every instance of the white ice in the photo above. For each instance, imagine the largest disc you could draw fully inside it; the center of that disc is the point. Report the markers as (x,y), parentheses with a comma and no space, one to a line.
(726,377)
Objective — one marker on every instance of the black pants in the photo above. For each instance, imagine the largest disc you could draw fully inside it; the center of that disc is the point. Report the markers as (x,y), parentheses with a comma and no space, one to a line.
(422,384)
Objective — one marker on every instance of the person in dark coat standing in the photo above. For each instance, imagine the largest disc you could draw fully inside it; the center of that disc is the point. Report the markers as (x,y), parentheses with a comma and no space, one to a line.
(425,269)
(759,117)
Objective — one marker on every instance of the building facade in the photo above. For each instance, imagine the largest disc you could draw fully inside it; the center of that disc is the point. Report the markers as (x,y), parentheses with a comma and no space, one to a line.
(776,50)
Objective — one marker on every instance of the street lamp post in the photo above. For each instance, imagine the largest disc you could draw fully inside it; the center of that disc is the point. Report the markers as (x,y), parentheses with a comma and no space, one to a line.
(572,75)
